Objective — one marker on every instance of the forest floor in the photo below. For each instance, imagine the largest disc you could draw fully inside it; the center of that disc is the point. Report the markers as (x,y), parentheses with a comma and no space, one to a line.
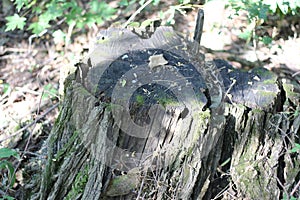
(31,71)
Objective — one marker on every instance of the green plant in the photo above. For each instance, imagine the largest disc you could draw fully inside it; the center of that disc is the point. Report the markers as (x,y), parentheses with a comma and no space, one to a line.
(5,197)
(287,197)
(283,6)
(295,149)
(140,99)
(47,16)
(53,16)
(79,184)
(49,91)
(258,12)
(170,13)
(167,16)
(260,9)
(4,88)
(7,170)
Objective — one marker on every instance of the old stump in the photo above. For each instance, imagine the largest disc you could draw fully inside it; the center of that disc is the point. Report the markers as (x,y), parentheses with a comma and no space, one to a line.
(148,118)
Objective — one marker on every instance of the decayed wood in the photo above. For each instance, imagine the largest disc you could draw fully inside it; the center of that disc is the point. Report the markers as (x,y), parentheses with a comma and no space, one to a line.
(90,156)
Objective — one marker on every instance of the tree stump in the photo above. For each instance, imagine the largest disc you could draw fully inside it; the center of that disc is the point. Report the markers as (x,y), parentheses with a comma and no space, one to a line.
(148,118)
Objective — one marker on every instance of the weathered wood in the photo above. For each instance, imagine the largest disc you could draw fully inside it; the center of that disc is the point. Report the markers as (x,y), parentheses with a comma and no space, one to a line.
(123,133)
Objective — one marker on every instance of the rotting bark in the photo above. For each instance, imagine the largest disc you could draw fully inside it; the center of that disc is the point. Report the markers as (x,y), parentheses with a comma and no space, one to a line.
(186,157)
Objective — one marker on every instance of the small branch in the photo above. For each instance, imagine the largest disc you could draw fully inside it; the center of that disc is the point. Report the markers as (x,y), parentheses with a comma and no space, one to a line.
(296,73)
(295,188)
(199,29)
(32,123)
(244,62)
(136,13)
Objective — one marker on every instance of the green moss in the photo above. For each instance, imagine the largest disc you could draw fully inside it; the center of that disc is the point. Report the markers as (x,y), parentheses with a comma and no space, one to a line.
(250,171)
(204,115)
(110,106)
(84,92)
(140,99)
(269,81)
(257,111)
(168,34)
(67,146)
(264,72)
(289,89)
(79,184)
(124,184)
(165,101)
(187,174)
(266,93)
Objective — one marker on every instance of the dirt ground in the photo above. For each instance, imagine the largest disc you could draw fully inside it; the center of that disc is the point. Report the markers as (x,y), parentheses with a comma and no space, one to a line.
(31,72)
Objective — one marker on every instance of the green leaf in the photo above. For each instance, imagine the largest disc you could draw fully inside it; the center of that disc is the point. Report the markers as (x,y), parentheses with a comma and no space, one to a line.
(295,149)
(14,22)
(246,35)
(123,3)
(37,10)
(11,171)
(147,22)
(287,197)
(20,3)
(42,24)
(263,11)
(46,17)
(5,88)
(90,19)
(135,24)
(294,5)
(141,2)
(99,20)
(38,27)
(6,153)
(58,36)
(284,7)
(102,9)
(80,24)
(156,2)
(5,197)
(49,91)
(184,1)
(272,5)
(267,40)
(94,6)
(296,113)
(54,11)
(75,15)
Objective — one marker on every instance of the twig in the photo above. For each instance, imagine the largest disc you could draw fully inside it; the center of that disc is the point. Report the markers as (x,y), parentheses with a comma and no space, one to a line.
(198,29)
(244,62)
(140,190)
(26,90)
(136,13)
(30,153)
(295,188)
(222,192)
(296,73)
(15,50)
(2,193)
(29,138)
(32,123)
(68,36)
